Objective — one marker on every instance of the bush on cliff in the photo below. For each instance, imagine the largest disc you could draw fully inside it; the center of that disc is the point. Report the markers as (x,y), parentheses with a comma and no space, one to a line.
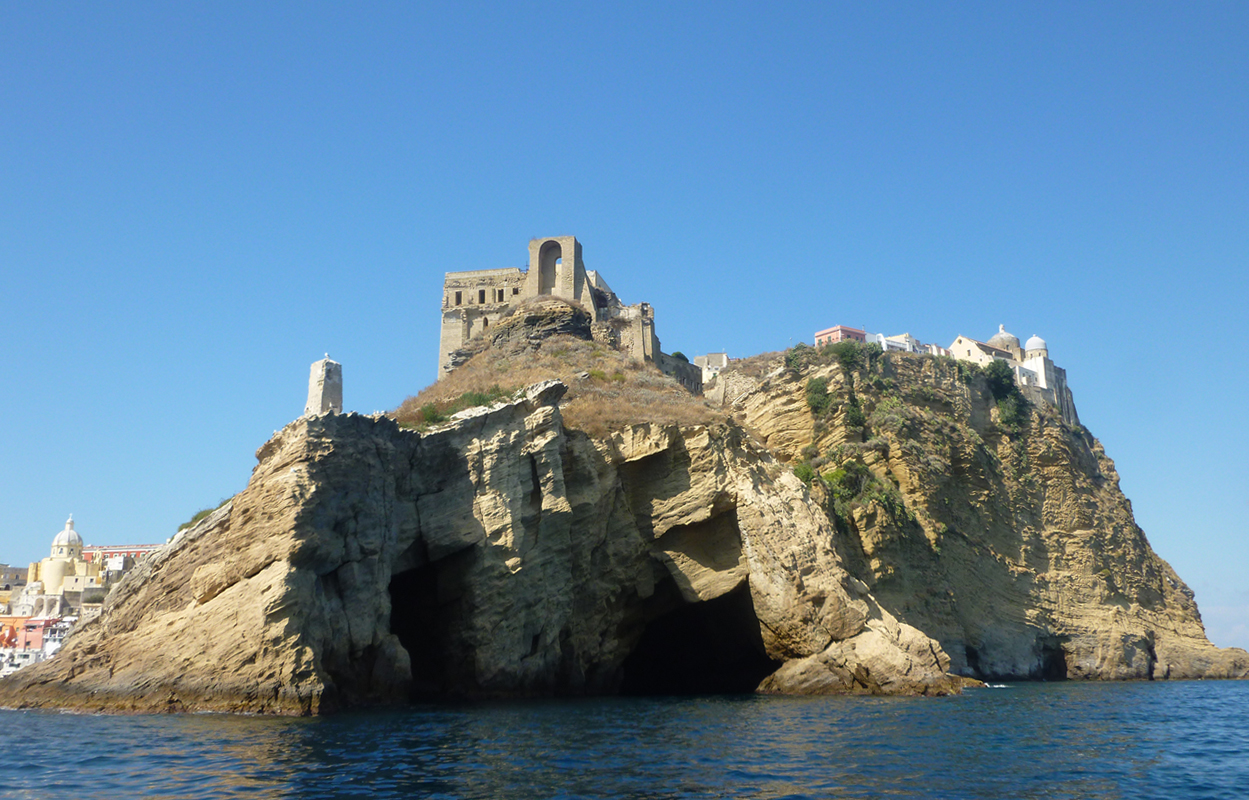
(855,418)
(1001,379)
(851,355)
(1011,404)
(853,485)
(817,395)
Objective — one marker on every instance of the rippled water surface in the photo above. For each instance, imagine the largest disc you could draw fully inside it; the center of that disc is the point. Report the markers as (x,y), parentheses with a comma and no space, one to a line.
(1064,740)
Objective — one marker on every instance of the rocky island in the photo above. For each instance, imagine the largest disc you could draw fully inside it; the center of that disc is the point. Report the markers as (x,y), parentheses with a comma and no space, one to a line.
(561,515)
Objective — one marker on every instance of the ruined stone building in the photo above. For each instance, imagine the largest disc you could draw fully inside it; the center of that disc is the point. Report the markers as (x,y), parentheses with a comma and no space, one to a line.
(475,300)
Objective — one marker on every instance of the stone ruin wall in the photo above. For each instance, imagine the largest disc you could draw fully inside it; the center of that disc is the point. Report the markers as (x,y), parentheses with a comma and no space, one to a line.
(474,301)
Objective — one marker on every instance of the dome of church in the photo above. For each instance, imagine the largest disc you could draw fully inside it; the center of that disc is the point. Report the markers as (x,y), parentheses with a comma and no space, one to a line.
(1036,343)
(1003,340)
(67,537)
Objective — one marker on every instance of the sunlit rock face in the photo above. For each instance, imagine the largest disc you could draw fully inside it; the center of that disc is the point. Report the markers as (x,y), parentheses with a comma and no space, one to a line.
(940,537)
(1003,535)
(497,555)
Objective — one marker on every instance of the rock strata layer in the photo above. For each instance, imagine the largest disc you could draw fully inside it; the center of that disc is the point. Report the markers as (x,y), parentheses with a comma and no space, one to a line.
(1003,535)
(499,554)
(943,535)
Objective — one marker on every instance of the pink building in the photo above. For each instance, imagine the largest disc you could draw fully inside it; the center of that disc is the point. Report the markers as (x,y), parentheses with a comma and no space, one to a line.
(32,632)
(839,333)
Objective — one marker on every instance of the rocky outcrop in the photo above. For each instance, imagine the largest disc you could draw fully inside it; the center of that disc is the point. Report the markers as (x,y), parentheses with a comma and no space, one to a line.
(1003,535)
(499,554)
(526,327)
(941,533)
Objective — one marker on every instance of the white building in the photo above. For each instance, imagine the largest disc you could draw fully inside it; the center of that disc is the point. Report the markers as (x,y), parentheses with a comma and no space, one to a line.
(711,364)
(1039,378)
(903,342)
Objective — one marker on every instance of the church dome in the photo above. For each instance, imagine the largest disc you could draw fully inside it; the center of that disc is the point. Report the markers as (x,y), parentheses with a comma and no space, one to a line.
(1003,340)
(1036,343)
(68,537)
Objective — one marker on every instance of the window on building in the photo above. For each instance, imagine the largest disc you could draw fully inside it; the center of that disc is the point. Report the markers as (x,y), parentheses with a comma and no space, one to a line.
(515,290)
(499,295)
(481,295)
(459,298)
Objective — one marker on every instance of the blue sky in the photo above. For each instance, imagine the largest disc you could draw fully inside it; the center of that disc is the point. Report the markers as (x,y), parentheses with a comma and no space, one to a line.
(197,201)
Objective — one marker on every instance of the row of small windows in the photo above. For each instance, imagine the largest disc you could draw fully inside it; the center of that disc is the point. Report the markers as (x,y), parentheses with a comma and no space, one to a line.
(496,295)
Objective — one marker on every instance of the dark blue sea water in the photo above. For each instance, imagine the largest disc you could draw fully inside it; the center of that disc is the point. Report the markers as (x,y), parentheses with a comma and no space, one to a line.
(1057,740)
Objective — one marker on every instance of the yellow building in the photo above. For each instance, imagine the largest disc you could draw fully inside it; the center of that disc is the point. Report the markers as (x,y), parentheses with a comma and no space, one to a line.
(967,349)
(64,570)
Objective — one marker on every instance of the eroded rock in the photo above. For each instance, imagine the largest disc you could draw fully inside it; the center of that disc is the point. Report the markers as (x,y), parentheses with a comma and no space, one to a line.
(499,554)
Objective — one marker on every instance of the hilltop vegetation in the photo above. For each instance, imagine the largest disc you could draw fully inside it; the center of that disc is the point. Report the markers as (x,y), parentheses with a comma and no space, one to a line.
(607,390)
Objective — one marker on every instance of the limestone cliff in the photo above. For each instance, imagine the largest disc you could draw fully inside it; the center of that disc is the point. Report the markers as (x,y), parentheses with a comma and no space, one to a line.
(993,526)
(500,553)
(609,533)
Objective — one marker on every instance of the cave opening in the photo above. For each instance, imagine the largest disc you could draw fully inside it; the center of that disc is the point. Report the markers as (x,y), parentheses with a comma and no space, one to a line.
(426,607)
(973,660)
(1053,661)
(711,647)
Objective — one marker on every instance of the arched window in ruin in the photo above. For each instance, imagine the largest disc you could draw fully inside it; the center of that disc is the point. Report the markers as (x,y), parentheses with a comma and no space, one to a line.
(550,259)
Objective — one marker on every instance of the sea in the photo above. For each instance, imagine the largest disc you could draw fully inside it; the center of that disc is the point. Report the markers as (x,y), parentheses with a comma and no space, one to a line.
(1171,740)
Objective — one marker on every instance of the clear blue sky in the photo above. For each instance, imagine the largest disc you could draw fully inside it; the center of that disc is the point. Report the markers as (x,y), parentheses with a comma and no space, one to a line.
(198,200)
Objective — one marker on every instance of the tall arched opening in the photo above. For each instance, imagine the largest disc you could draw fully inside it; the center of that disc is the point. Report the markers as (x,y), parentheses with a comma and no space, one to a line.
(548,266)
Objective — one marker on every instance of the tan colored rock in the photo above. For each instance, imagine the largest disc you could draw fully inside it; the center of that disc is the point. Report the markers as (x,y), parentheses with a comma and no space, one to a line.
(1015,549)
(498,554)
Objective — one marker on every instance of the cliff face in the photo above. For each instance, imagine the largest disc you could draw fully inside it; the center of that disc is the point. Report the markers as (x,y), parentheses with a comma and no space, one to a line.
(998,530)
(940,530)
(499,554)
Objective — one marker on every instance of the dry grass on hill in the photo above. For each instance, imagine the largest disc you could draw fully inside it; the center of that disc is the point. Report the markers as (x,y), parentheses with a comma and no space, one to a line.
(756,366)
(618,391)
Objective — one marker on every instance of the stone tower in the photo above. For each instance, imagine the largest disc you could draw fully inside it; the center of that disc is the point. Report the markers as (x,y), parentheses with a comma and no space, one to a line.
(325,388)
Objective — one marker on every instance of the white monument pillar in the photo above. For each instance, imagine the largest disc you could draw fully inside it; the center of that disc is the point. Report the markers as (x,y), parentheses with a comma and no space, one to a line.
(325,388)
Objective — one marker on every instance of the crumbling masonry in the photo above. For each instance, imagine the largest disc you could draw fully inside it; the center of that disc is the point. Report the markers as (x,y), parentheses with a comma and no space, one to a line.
(473,301)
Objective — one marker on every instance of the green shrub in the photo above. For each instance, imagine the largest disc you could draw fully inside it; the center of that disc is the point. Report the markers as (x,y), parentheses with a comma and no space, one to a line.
(430,414)
(1001,379)
(848,353)
(598,374)
(804,473)
(817,395)
(852,485)
(891,416)
(680,355)
(1010,411)
(798,357)
(967,371)
(855,418)
(1011,405)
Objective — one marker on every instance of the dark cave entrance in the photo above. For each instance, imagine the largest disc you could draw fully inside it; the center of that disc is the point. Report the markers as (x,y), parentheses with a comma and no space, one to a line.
(426,608)
(712,647)
(1051,664)
(1053,661)
(973,660)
